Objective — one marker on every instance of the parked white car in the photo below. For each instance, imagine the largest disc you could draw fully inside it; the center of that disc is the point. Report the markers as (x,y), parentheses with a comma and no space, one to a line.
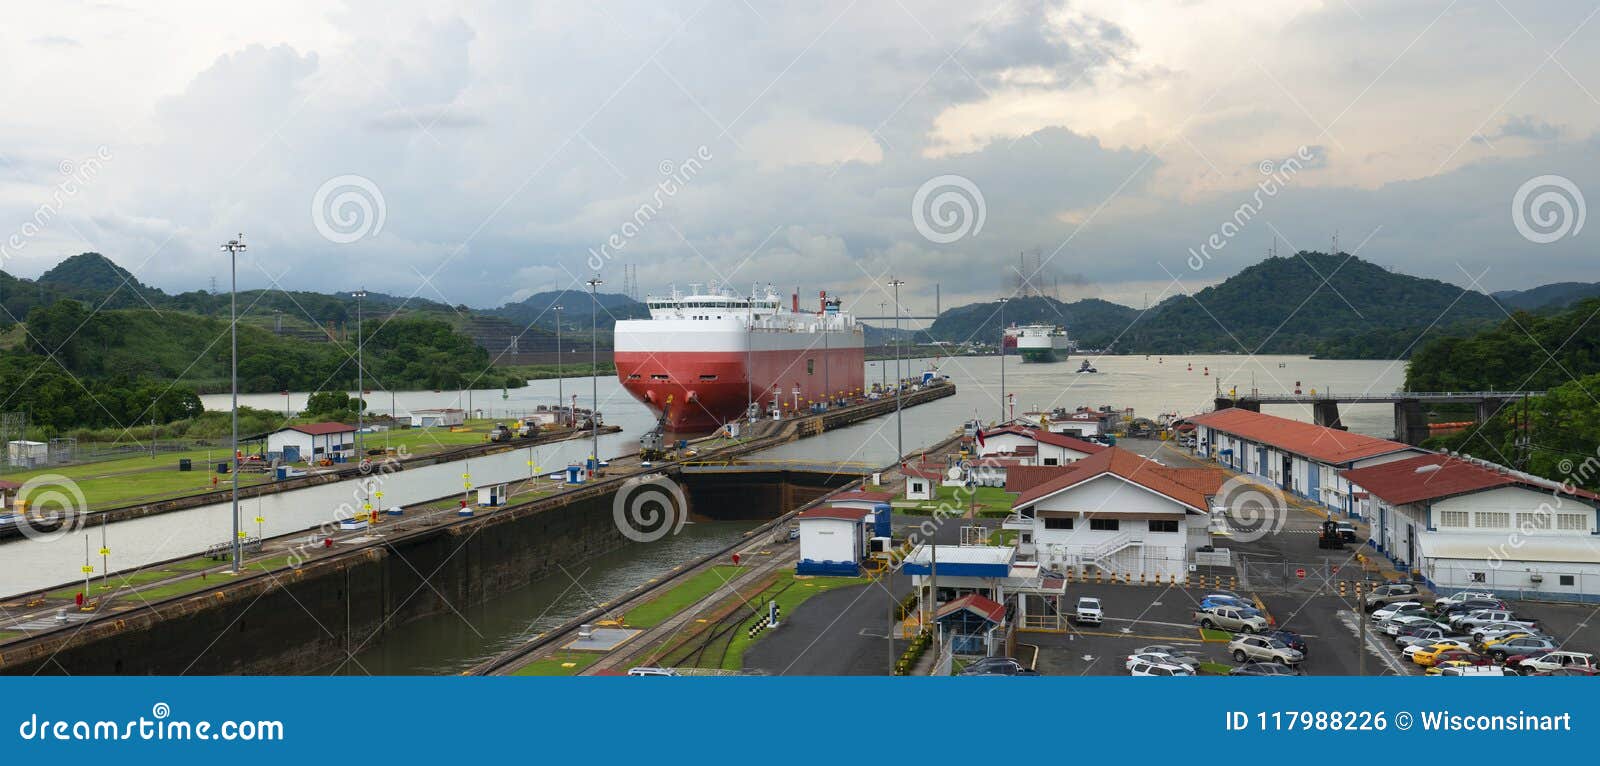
(1556,661)
(1088,611)
(1398,608)
(1446,602)
(1158,669)
(1161,658)
(1496,630)
(1394,625)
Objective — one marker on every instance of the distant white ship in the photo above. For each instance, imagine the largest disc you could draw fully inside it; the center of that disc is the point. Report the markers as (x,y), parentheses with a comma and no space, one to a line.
(1040,342)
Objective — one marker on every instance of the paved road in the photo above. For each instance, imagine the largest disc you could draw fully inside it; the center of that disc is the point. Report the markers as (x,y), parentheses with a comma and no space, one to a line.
(837,633)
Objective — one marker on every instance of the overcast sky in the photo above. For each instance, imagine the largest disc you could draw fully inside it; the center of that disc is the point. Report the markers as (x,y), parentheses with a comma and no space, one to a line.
(786,142)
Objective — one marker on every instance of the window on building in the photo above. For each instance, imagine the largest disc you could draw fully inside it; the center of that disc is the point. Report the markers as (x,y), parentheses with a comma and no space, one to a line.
(1452,518)
(1478,577)
(916,486)
(811,366)
(1568,581)
(1105,525)
(1533,521)
(1163,525)
(1491,519)
(1051,461)
(1062,522)
(1572,521)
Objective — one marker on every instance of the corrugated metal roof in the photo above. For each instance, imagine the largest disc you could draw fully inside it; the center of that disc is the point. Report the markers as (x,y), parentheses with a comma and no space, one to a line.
(1431,477)
(320,429)
(1328,445)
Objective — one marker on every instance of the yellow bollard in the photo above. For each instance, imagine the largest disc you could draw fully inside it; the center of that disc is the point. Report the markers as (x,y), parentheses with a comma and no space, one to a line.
(1233,582)
(1341,589)
(1097,573)
(1141,579)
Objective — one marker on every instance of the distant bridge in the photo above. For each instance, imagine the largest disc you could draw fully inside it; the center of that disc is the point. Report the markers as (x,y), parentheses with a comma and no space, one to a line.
(1410,422)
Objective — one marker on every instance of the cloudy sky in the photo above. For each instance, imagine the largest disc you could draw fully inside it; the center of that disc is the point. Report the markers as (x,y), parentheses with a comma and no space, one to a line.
(479,153)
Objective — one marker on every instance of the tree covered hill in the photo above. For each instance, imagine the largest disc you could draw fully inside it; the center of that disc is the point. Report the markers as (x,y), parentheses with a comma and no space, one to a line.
(1524,351)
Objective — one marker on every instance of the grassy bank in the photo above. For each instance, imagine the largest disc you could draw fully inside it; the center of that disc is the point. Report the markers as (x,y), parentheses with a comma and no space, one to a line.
(578,369)
(144,479)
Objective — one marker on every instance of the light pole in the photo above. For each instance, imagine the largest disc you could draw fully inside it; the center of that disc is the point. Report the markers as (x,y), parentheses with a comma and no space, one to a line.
(1003,360)
(233,248)
(360,378)
(560,397)
(594,365)
(899,379)
(883,364)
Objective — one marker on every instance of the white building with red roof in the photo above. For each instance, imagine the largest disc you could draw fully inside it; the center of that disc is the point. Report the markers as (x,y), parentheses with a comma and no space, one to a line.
(1116,512)
(1035,446)
(833,539)
(1298,457)
(313,442)
(1468,524)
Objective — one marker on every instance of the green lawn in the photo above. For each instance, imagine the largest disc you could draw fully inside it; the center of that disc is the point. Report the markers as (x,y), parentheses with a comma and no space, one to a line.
(1215,669)
(788,601)
(141,478)
(654,611)
(989,501)
(559,664)
(167,571)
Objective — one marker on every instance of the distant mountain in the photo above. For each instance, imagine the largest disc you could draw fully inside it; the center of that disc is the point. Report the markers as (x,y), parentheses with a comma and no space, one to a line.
(539,311)
(94,279)
(1092,322)
(1332,305)
(1558,295)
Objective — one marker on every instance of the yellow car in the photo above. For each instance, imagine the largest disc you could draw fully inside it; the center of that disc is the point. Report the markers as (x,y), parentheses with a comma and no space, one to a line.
(1439,668)
(1506,637)
(1427,656)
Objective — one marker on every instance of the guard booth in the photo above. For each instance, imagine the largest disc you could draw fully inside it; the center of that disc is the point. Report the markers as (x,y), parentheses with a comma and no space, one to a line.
(493,495)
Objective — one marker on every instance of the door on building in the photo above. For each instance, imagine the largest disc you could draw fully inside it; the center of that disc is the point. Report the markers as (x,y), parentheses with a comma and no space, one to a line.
(1287,477)
(1261,461)
(1313,482)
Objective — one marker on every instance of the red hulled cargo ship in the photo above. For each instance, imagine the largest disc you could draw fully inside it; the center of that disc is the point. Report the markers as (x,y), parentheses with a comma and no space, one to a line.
(713,354)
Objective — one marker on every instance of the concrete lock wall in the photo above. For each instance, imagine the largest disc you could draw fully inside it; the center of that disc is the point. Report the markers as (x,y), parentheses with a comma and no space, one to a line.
(312,619)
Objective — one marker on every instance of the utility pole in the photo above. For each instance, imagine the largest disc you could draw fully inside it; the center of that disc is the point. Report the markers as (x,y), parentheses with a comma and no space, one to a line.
(899,419)
(561,399)
(1003,359)
(233,248)
(360,378)
(594,365)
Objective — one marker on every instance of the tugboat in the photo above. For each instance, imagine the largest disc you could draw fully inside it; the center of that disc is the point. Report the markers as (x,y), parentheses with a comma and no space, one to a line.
(1086,367)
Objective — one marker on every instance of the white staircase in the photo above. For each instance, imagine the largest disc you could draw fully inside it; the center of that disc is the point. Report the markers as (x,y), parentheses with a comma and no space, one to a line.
(1097,556)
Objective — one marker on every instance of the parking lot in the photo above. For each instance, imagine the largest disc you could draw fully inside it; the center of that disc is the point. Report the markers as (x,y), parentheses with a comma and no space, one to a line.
(1138,616)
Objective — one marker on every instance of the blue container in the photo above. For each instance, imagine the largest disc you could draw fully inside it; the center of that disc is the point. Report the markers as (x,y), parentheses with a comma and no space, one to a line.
(574,474)
(882,523)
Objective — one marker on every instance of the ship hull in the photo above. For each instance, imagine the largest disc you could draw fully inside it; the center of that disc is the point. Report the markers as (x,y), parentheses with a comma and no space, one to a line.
(709,376)
(1041,355)
(1049,351)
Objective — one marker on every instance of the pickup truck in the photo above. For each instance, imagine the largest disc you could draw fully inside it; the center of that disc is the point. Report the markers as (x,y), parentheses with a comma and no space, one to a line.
(1231,618)
(1471,621)
(1088,611)
(1555,661)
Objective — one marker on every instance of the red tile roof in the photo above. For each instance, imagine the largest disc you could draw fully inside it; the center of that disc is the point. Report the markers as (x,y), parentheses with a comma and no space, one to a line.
(1431,477)
(1048,437)
(319,429)
(1328,445)
(834,512)
(1025,477)
(1178,484)
(984,607)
